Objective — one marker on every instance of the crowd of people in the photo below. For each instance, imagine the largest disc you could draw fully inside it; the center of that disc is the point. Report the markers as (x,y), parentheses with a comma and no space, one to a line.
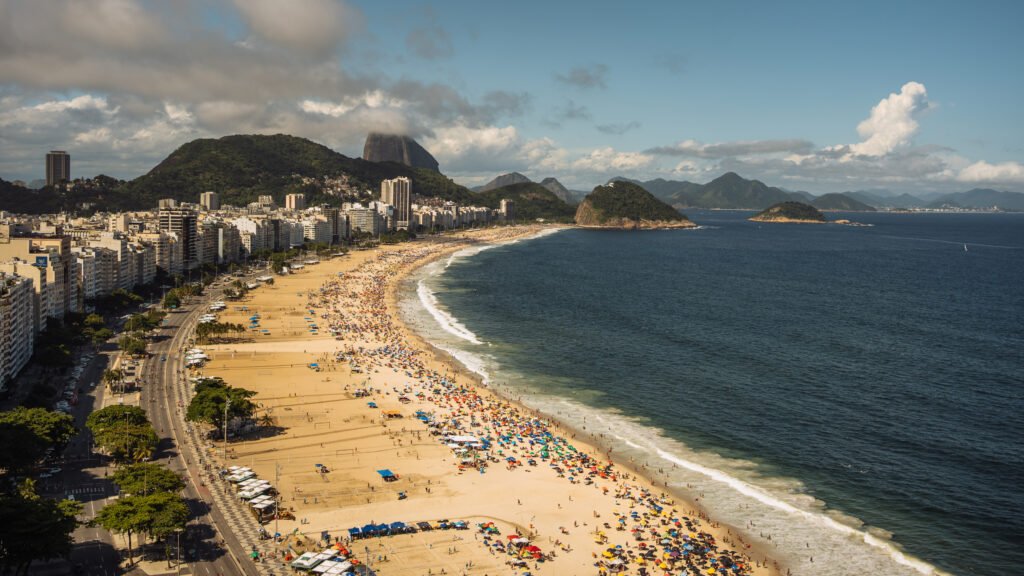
(656,537)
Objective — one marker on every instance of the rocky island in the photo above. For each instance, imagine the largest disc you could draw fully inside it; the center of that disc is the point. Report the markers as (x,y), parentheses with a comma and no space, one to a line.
(625,205)
(790,213)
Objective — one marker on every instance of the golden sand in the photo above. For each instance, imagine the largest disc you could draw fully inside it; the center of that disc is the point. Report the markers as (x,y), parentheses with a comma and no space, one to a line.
(318,419)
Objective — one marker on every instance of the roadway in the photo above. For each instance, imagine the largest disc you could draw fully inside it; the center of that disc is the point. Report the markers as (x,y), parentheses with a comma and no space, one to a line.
(209,546)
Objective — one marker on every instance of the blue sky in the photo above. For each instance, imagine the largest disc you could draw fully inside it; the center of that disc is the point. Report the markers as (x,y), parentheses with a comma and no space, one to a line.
(821,96)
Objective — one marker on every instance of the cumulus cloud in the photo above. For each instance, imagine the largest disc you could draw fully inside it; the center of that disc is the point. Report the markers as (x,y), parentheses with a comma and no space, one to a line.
(585,76)
(983,172)
(726,149)
(312,27)
(892,122)
(608,160)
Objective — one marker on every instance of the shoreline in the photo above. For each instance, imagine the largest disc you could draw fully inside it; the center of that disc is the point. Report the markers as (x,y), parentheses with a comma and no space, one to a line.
(590,440)
(277,368)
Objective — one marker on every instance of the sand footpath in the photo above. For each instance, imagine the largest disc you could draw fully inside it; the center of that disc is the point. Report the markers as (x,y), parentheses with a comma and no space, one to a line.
(355,413)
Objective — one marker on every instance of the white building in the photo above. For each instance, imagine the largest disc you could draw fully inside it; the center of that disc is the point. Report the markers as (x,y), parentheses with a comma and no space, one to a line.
(295,201)
(17,326)
(398,193)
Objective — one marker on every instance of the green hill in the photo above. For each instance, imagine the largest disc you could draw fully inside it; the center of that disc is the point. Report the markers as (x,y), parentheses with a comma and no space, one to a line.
(624,204)
(243,167)
(790,212)
(532,201)
(843,202)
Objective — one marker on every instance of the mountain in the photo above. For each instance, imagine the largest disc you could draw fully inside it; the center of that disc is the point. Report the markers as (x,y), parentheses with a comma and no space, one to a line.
(397,148)
(843,202)
(503,180)
(790,212)
(242,167)
(671,191)
(880,200)
(728,191)
(567,196)
(532,201)
(981,198)
(732,191)
(623,204)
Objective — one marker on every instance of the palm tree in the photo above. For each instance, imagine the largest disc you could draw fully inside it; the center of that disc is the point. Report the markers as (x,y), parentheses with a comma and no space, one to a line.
(111,377)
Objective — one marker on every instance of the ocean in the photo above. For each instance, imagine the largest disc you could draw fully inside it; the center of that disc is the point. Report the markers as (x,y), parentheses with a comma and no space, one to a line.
(856,393)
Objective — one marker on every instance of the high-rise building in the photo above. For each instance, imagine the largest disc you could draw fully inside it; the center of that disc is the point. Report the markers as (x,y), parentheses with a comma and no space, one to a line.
(182,222)
(398,193)
(17,325)
(166,203)
(58,167)
(507,210)
(210,200)
(295,201)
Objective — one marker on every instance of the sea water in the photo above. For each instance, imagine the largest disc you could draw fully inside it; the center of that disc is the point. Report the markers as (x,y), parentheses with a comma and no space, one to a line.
(856,393)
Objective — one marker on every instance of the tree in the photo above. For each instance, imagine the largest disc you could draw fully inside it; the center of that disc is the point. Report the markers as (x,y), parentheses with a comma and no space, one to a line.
(147,478)
(123,516)
(113,378)
(94,321)
(123,432)
(132,346)
(115,415)
(34,528)
(157,515)
(26,433)
(208,404)
(130,442)
(167,513)
(172,300)
(99,336)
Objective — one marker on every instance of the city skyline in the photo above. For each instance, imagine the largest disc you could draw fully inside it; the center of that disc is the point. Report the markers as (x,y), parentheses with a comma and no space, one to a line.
(801,96)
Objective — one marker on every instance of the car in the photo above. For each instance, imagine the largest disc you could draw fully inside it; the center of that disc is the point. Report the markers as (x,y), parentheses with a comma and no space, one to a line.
(55,470)
(45,475)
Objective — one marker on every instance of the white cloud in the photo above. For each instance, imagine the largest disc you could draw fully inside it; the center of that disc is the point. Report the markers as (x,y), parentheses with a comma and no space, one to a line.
(313,27)
(608,160)
(1005,172)
(737,148)
(891,124)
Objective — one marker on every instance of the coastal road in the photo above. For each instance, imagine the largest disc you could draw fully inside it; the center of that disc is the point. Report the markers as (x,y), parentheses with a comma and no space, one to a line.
(160,397)
(226,533)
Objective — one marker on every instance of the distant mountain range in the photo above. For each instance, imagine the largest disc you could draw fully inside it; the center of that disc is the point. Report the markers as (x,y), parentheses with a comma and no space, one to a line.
(732,191)
(552,184)
(242,167)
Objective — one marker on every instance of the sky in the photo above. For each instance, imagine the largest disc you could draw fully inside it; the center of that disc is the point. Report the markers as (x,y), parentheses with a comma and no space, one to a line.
(820,96)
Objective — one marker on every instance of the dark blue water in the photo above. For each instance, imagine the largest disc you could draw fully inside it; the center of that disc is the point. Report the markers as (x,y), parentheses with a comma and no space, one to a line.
(881,367)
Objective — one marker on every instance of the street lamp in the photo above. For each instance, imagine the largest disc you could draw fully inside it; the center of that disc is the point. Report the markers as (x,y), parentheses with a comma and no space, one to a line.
(178,557)
(227,404)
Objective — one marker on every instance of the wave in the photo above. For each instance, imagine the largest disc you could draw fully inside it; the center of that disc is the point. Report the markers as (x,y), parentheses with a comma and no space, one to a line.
(445,320)
(773,512)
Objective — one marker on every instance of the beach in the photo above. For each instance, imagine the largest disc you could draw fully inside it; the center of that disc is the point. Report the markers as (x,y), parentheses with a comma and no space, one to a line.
(363,423)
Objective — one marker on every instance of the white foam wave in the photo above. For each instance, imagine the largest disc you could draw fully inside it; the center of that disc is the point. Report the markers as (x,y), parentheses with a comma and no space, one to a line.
(443,318)
(810,513)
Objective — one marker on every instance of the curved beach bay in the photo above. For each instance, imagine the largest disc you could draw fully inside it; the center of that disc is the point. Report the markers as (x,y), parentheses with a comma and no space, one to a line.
(854,392)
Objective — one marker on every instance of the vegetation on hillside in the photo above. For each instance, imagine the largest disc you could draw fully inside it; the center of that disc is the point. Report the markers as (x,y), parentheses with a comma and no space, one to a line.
(628,200)
(240,168)
(532,201)
(790,211)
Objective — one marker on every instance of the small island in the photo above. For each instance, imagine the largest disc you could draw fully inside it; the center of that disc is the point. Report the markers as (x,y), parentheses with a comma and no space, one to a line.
(790,213)
(625,205)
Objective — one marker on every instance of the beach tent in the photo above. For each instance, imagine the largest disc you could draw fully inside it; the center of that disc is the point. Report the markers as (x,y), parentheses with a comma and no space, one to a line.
(387,475)
(354,533)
